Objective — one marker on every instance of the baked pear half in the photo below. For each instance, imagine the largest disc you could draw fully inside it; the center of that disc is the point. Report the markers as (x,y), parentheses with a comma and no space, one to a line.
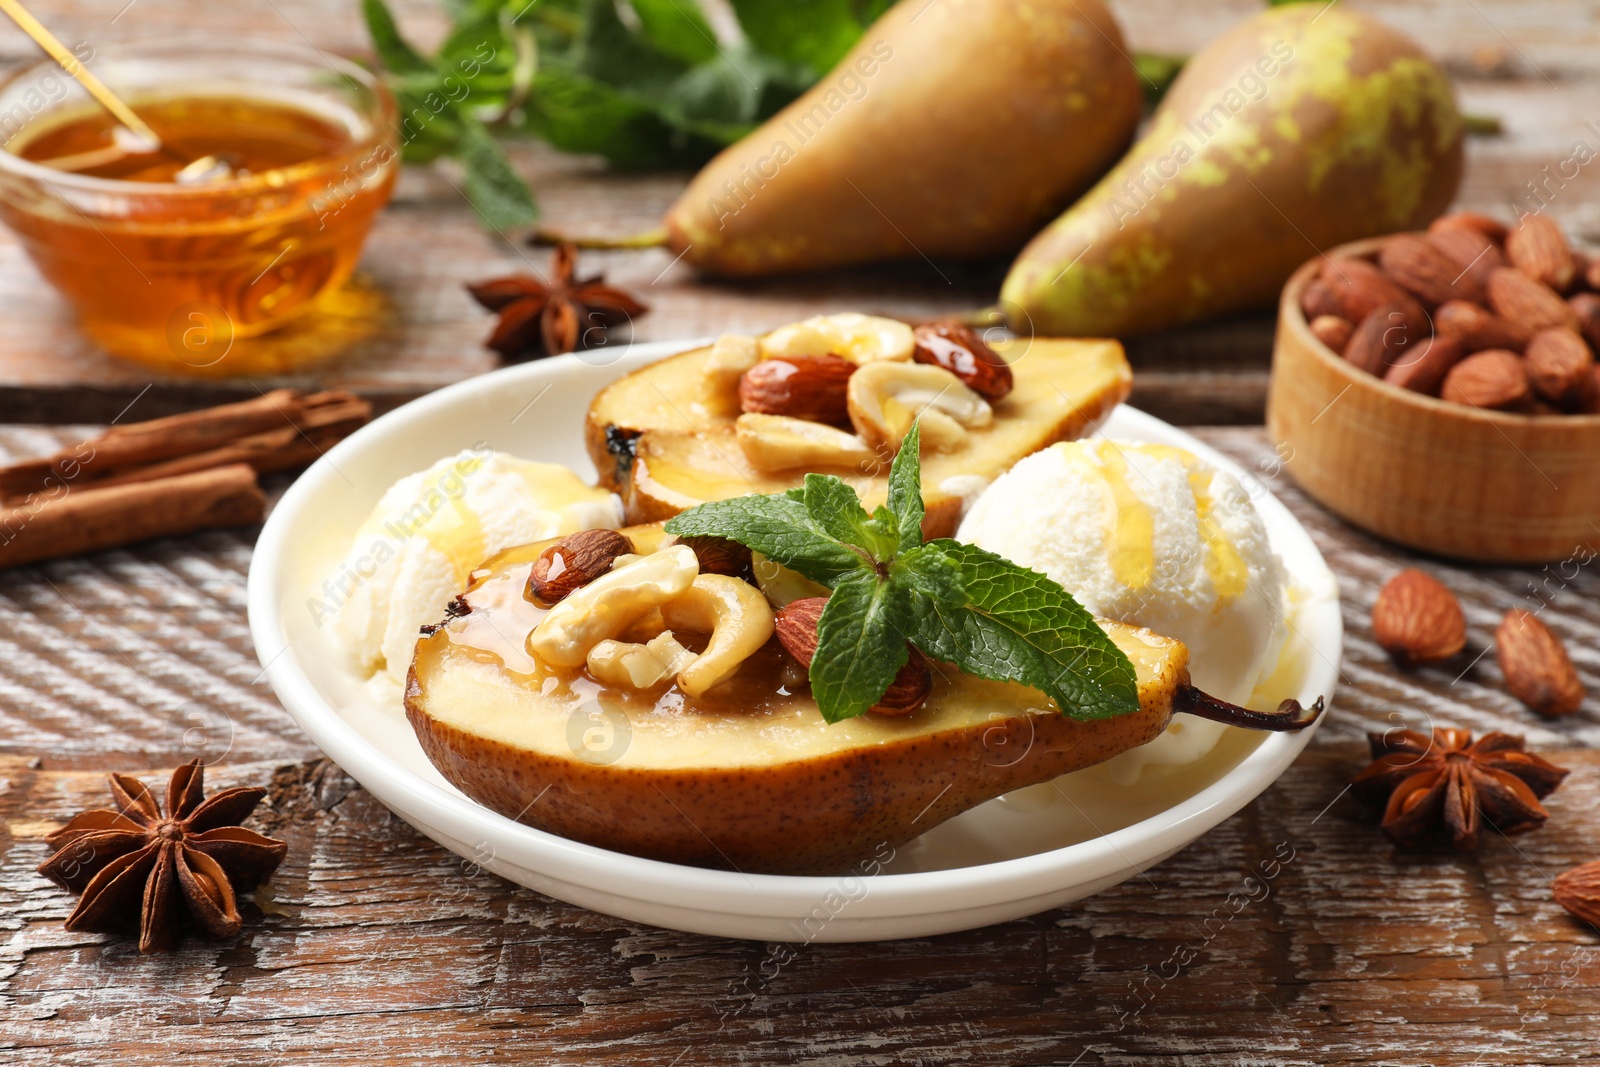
(687,429)
(737,770)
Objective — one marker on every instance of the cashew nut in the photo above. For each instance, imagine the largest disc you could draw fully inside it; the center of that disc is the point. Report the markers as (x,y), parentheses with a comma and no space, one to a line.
(730,357)
(610,604)
(885,398)
(636,666)
(850,334)
(780,443)
(736,616)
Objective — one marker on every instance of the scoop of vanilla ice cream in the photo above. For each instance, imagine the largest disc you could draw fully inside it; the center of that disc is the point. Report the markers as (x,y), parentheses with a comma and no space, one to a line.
(1149,534)
(427,533)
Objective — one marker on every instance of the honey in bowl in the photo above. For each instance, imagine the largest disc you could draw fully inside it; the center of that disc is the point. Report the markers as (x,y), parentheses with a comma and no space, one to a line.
(253,136)
(180,274)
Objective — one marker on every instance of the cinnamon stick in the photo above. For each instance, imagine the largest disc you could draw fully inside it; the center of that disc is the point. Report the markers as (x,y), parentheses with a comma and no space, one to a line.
(91,519)
(214,433)
(284,448)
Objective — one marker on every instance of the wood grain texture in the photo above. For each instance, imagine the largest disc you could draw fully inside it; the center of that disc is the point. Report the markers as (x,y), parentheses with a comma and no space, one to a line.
(376,946)
(1533,66)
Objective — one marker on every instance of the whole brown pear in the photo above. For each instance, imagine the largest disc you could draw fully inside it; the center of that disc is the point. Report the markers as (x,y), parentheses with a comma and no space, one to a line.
(1302,128)
(953,129)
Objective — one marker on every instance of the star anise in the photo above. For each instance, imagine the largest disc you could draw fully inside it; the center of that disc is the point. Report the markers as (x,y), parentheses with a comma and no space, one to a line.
(141,870)
(547,318)
(1451,781)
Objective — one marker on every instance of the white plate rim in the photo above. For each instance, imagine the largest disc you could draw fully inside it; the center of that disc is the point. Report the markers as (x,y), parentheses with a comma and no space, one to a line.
(1131,848)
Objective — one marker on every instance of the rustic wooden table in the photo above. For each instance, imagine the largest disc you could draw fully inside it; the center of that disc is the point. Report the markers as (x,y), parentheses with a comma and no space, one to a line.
(373,945)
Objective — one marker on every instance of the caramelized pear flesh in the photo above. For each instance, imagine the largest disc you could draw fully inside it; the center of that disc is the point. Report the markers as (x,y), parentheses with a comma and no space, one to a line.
(663,437)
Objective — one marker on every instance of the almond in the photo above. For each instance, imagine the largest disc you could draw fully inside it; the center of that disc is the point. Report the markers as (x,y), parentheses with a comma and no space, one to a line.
(1417,619)
(1332,331)
(796,626)
(962,351)
(1535,665)
(1422,367)
(1587,307)
(1421,268)
(1317,301)
(573,562)
(1560,366)
(1578,890)
(1469,249)
(910,688)
(1381,338)
(1359,288)
(718,555)
(1491,228)
(1478,328)
(1537,247)
(1530,304)
(1591,274)
(1493,379)
(801,387)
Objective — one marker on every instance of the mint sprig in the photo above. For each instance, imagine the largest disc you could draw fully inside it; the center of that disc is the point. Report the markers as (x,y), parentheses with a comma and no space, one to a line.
(955,602)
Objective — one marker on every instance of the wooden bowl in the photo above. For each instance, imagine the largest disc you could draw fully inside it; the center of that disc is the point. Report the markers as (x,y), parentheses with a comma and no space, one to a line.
(1454,480)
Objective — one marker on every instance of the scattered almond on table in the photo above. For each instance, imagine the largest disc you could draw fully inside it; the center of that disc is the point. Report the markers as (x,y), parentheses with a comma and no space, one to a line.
(1495,317)
(1535,664)
(1417,619)
(1578,890)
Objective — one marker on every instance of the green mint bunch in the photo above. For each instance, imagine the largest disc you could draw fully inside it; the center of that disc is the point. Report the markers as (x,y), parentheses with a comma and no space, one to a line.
(643,83)
(955,602)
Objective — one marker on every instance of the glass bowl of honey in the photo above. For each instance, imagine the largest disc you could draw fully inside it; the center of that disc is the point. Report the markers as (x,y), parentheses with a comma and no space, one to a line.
(250,215)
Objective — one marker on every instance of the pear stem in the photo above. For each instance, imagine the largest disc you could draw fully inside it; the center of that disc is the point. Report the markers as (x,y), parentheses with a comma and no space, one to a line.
(653,238)
(1290,716)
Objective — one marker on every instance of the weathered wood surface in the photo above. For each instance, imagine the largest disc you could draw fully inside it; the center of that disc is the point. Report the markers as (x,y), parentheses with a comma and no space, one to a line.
(1533,65)
(377,946)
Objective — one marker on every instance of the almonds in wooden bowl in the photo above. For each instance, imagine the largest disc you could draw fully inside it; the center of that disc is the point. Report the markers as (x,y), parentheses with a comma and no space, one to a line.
(1489,289)
(1448,443)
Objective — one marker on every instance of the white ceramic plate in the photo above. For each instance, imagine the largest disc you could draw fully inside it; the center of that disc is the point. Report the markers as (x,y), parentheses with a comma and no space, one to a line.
(1011,857)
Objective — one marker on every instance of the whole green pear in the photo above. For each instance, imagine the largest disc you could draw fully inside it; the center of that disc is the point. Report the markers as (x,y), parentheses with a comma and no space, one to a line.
(1302,128)
(954,128)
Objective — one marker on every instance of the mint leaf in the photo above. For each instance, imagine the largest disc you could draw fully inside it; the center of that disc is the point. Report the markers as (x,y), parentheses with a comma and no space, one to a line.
(835,507)
(677,27)
(930,570)
(584,115)
(905,487)
(1019,626)
(816,33)
(780,528)
(614,53)
(492,187)
(955,602)
(393,50)
(859,648)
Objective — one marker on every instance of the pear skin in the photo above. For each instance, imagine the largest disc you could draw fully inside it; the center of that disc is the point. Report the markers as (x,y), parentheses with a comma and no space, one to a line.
(1304,127)
(953,129)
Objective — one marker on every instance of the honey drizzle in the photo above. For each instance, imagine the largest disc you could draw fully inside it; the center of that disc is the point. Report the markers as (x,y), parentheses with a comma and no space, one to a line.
(1132,526)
